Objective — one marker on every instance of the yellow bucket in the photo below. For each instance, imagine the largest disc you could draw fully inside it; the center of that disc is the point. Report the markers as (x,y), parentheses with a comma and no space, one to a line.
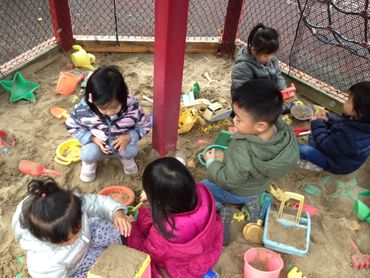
(68,152)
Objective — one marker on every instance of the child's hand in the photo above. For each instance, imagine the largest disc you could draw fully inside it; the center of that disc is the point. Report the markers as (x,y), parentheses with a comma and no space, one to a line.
(143,197)
(321,115)
(211,154)
(122,223)
(130,218)
(120,143)
(101,144)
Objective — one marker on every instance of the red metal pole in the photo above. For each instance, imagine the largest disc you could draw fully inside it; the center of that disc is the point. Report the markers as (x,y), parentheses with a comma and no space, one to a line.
(169,50)
(234,10)
(61,20)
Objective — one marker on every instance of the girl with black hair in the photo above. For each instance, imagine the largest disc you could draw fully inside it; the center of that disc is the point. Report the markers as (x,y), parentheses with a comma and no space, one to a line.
(63,232)
(256,60)
(107,122)
(181,232)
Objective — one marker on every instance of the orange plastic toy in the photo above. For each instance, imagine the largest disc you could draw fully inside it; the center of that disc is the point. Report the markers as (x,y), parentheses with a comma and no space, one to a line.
(121,194)
(67,83)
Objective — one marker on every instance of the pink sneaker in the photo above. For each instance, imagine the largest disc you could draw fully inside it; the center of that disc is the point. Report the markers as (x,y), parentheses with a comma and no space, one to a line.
(88,171)
(129,166)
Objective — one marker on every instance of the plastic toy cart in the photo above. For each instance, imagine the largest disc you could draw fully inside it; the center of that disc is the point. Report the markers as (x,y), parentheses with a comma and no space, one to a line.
(301,222)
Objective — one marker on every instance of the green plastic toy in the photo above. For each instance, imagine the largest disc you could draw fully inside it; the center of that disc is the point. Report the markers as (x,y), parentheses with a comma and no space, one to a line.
(196,90)
(19,88)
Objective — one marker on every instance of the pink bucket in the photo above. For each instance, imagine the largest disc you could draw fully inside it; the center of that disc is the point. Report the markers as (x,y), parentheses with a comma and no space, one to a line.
(262,263)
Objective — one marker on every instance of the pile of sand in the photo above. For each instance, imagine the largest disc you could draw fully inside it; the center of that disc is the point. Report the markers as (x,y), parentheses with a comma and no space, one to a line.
(38,134)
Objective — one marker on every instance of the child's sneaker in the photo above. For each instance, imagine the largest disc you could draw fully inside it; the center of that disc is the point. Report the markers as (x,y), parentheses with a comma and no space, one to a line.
(88,171)
(211,274)
(305,164)
(253,208)
(129,166)
(226,214)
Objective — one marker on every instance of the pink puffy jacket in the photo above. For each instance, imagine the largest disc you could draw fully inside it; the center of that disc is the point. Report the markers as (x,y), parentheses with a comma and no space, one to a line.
(198,242)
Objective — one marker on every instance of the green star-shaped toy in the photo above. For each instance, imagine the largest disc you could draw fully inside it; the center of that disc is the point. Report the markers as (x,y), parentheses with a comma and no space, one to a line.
(19,88)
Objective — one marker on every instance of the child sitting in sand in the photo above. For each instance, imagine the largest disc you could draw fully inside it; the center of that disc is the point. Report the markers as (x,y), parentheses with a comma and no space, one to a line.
(256,60)
(107,122)
(181,232)
(263,148)
(341,145)
(60,232)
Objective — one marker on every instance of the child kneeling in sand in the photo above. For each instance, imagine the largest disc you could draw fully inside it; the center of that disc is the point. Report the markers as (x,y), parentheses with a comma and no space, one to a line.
(60,230)
(263,148)
(181,232)
(341,145)
(107,122)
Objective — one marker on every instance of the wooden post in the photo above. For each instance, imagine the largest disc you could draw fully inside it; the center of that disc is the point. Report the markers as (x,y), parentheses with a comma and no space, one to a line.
(61,20)
(169,51)
(234,10)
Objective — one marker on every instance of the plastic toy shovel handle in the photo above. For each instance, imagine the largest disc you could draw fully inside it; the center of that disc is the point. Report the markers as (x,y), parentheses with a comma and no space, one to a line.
(51,172)
(267,200)
(137,207)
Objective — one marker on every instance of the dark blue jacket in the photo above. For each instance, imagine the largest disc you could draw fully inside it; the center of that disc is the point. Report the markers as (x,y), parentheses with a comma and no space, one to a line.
(344,141)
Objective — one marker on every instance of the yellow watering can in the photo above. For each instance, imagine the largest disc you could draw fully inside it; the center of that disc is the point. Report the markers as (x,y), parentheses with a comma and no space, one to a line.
(81,58)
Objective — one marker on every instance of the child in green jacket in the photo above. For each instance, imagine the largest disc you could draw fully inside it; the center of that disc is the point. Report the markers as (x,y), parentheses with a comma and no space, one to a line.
(263,148)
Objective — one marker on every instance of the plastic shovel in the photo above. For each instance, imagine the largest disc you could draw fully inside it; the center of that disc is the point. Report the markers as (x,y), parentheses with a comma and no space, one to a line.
(59,112)
(253,231)
(34,168)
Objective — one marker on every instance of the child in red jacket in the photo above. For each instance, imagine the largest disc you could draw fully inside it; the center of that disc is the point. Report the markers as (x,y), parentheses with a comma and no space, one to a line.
(181,232)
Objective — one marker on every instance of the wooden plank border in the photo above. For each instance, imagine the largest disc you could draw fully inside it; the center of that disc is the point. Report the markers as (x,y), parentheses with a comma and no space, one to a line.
(143,44)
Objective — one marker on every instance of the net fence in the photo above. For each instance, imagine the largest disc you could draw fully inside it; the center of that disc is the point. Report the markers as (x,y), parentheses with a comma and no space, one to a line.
(326,39)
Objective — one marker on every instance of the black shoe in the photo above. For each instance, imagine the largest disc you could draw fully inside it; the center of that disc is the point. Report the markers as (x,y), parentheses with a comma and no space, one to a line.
(226,214)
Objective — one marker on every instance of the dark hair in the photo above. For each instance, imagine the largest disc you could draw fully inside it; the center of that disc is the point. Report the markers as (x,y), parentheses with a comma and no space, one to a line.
(105,85)
(51,213)
(265,40)
(170,188)
(260,98)
(360,94)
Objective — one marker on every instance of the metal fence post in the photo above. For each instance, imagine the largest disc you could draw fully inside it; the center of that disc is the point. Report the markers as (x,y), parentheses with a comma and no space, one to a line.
(169,51)
(61,20)
(234,10)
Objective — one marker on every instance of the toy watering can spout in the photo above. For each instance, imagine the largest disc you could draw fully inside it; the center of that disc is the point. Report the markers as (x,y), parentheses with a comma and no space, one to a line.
(81,58)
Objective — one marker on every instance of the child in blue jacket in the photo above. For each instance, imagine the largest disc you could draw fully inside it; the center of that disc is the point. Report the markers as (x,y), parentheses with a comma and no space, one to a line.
(341,145)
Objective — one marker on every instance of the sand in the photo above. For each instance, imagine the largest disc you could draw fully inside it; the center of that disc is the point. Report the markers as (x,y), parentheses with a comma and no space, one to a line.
(118,261)
(38,134)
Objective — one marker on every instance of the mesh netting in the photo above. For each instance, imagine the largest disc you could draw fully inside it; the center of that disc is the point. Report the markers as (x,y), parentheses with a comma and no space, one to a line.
(329,41)
(25,31)
(331,36)
(136,18)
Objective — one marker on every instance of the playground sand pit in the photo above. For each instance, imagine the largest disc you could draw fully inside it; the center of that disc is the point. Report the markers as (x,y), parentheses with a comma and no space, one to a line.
(38,134)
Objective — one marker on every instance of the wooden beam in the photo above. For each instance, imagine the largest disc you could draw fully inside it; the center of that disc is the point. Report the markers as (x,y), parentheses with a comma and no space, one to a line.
(143,44)
(61,20)
(232,20)
(32,60)
(315,95)
(169,51)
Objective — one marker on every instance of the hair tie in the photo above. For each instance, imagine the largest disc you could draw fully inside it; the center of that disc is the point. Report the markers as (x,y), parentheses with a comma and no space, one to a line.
(43,195)
(90,99)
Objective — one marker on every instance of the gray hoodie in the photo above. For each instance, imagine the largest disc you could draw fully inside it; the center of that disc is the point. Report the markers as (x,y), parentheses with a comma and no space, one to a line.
(247,68)
(45,259)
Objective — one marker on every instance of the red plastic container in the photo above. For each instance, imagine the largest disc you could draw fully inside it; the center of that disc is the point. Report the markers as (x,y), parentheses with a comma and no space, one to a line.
(120,193)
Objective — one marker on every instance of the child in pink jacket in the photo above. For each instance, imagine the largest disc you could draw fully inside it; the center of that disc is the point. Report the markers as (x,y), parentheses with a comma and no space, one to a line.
(181,232)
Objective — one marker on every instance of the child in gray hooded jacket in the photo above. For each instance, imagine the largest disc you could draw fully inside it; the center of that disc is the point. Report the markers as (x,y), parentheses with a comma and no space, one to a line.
(62,232)
(256,60)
